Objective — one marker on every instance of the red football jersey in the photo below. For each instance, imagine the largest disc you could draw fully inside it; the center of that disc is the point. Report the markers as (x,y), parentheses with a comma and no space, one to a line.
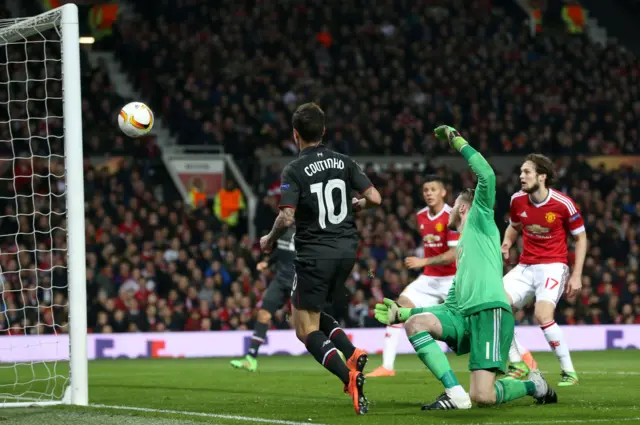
(437,239)
(545,226)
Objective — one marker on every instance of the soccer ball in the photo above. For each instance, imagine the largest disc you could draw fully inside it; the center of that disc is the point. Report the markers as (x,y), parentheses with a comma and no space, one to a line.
(135,119)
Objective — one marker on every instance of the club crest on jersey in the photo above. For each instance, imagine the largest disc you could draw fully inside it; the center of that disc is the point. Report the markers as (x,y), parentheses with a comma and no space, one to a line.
(550,217)
(535,228)
(439,227)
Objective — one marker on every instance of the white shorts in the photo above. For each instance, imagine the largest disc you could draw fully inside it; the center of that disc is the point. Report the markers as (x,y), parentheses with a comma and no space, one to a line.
(427,291)
(545,281)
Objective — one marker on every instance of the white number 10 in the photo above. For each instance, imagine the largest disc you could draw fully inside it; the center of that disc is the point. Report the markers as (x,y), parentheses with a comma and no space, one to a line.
(326,195)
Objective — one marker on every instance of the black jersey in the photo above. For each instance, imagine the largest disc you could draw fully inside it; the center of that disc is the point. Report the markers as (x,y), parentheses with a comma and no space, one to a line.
(319,185)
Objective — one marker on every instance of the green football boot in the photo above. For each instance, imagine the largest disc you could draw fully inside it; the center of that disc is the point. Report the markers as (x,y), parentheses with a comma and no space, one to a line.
(518,371)
(568,379)
(248,363)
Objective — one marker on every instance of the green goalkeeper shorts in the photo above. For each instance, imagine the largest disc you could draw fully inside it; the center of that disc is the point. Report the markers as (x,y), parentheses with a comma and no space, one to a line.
(485,335)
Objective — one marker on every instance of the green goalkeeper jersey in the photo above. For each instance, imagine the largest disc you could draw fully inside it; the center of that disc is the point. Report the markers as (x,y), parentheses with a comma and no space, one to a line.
(478,281)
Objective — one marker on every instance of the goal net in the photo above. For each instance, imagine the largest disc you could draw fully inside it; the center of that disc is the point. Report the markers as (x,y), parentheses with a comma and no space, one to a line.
(43,356)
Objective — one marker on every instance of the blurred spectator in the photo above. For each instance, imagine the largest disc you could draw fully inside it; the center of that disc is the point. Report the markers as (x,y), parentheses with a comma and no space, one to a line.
(228,203)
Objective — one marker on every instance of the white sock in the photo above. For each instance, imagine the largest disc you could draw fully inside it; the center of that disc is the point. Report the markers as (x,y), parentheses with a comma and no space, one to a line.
(514,353)
(390,348)
(458,391)
(556,341)
(459,397)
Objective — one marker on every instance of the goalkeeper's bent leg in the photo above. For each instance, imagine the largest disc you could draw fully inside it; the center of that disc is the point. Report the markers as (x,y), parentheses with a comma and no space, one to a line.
(421,330)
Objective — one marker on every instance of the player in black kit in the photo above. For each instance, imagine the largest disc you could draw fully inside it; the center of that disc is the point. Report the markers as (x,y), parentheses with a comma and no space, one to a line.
(316,190)
(276,295)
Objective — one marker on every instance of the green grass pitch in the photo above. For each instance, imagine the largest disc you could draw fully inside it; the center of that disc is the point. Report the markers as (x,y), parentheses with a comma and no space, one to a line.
(296,391)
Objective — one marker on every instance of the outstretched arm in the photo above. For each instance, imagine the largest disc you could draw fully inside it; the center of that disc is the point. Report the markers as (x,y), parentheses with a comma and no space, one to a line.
(485,195)
(389,312)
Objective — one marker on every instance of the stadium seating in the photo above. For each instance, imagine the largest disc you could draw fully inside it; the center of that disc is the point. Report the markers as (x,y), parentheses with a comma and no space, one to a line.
(384,75)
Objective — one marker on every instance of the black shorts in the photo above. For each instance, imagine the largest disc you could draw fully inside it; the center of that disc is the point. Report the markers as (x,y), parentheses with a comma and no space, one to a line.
(320,282)
(279,290)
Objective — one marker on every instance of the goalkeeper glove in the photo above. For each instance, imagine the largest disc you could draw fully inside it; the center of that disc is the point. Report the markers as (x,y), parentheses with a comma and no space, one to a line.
(390,312)
(450,134)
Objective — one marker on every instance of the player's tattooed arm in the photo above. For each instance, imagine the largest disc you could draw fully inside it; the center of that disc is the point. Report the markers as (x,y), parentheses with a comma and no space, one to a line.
(285,219)
(371,198)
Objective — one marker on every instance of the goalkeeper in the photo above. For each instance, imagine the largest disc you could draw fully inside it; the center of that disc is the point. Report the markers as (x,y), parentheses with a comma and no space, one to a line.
(476,317)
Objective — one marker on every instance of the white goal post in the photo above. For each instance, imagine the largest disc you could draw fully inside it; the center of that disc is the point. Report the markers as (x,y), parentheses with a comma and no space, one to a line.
(42,213)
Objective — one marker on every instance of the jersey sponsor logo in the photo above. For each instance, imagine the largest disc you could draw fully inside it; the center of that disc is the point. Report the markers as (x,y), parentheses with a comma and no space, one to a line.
(422,227)
(325,164)
(439,227)
(550,217)
(575,217)
(537,229)
(523,214)
(431,238)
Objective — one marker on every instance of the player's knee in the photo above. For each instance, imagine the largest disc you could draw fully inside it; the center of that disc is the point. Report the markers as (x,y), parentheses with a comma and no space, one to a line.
(544,312)
(419,323)
(302,331)
(543,317)
(301,334)
(264,316)
(483,397)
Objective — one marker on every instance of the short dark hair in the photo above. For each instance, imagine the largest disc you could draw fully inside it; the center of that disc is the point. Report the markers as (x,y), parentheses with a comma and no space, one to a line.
(429,178)
(543,165)
(467,195)
(308,121)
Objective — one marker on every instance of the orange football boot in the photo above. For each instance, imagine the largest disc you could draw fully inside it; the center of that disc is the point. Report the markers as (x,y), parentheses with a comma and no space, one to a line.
(381,371)
(355,389)
(358,360)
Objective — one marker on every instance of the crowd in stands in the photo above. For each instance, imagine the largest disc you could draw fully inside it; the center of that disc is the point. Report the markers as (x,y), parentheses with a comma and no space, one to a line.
(385,75)
(155,266)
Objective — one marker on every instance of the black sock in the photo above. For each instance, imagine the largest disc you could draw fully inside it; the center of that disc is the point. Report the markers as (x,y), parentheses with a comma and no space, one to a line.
(332,329)
(258,338)
(326,354)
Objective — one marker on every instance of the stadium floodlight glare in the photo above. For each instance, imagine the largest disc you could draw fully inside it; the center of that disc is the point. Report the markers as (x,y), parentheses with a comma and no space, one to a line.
(42,255)
(87,40)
